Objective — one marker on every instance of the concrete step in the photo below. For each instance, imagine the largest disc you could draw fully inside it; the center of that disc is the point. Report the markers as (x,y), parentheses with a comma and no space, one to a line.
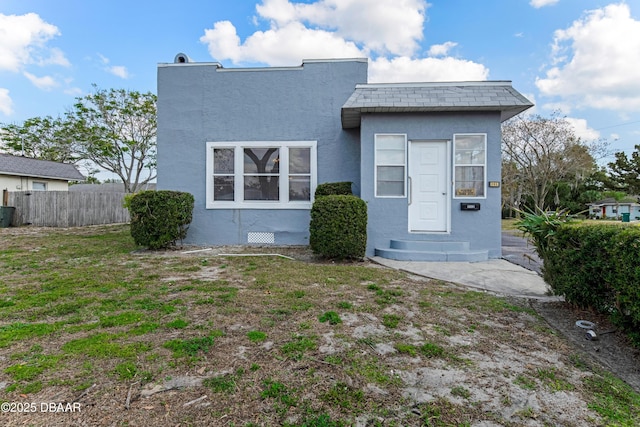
(412,250)
(429,246)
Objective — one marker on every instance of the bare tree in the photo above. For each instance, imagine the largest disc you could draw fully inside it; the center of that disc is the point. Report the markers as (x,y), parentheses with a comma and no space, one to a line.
(539,152)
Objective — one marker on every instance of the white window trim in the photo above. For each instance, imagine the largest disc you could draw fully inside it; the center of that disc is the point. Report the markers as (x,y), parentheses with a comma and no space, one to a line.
(238,147)
(453,157)
(375,167)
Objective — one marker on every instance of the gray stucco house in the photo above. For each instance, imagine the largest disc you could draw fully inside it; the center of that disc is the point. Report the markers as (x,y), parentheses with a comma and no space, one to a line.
(252,144)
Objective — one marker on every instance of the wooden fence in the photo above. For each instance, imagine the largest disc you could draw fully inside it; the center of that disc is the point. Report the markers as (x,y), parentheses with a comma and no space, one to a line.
(66,209)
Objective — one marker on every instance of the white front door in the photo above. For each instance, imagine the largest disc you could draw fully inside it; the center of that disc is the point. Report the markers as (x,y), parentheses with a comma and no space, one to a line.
(428,186)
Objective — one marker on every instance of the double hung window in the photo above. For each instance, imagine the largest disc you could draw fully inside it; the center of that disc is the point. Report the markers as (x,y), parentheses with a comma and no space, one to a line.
(391,165)
(470,159)
(268,175)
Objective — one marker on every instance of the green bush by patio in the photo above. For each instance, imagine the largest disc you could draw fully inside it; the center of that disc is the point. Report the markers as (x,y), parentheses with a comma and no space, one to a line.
(338,228)
(160,218)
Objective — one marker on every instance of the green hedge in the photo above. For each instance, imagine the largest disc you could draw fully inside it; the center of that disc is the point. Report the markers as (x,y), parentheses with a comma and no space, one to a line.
(160,218)
(598,266)
(333,188)
(338,228)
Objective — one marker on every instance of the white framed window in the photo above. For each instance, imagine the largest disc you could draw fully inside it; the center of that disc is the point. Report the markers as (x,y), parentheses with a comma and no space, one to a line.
(261,174)
(470,160)
(390,165)
(39,186)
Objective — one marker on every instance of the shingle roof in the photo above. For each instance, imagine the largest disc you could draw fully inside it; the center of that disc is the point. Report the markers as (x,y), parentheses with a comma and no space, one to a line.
(433,97)
(109,187)
(611,201)
(25,166)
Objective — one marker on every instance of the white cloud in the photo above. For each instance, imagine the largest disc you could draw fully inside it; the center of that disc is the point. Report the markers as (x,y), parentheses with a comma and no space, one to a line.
(595,61)
(441,49)
(287,45)
(565,107)
(387,30)
(117,70)
(322,29)
(103,59)
(73,91)
(23,41)
(582,130)
(56,57)
(44,83)
(389,26)
(405,69)
(6,103)
(542,3)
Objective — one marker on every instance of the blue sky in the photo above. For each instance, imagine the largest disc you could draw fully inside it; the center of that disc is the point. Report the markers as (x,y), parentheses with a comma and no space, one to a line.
(581,57)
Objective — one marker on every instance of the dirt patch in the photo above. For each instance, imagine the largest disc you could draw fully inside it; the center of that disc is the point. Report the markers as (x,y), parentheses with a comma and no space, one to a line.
(611,348)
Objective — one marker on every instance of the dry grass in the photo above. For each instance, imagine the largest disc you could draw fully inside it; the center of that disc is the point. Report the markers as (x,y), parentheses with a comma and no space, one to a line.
(167,338)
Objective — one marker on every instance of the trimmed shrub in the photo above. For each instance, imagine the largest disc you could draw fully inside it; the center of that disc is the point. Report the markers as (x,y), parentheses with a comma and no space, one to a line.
(338,228)
(596,266)
(160,218)
(333,188)
(578,263)
(625,249)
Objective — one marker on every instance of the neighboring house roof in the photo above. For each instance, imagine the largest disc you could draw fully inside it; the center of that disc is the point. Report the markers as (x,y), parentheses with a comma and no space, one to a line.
(109,187)
(25,166)
(611,201)
(433,97)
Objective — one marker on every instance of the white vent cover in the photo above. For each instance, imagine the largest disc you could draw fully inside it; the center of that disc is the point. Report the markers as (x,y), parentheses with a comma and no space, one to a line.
(261,237)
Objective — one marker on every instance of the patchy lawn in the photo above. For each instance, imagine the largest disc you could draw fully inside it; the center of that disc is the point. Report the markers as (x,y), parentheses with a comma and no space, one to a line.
(94,333)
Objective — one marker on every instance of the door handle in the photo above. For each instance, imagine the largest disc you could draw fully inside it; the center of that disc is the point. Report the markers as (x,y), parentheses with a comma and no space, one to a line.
(410,194)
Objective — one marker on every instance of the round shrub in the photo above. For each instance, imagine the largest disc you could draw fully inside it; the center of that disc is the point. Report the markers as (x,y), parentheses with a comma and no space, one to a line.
(338,228)
(160,218)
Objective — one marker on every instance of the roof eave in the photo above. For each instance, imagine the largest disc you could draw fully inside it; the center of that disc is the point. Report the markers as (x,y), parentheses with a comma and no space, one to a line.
(79,177)
(351,116)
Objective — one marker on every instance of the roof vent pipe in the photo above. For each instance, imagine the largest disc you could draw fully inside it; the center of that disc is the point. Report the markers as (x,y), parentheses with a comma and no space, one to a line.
(182,58)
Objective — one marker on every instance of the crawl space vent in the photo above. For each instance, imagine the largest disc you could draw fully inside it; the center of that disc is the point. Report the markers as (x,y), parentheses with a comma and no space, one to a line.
(261,237)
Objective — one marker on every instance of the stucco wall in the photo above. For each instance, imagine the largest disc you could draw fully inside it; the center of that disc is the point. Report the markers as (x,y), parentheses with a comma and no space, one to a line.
(17,183)
(388,217)
(198,103)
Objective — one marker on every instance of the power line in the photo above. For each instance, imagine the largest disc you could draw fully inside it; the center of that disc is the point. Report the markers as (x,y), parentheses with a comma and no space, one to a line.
(619,124)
